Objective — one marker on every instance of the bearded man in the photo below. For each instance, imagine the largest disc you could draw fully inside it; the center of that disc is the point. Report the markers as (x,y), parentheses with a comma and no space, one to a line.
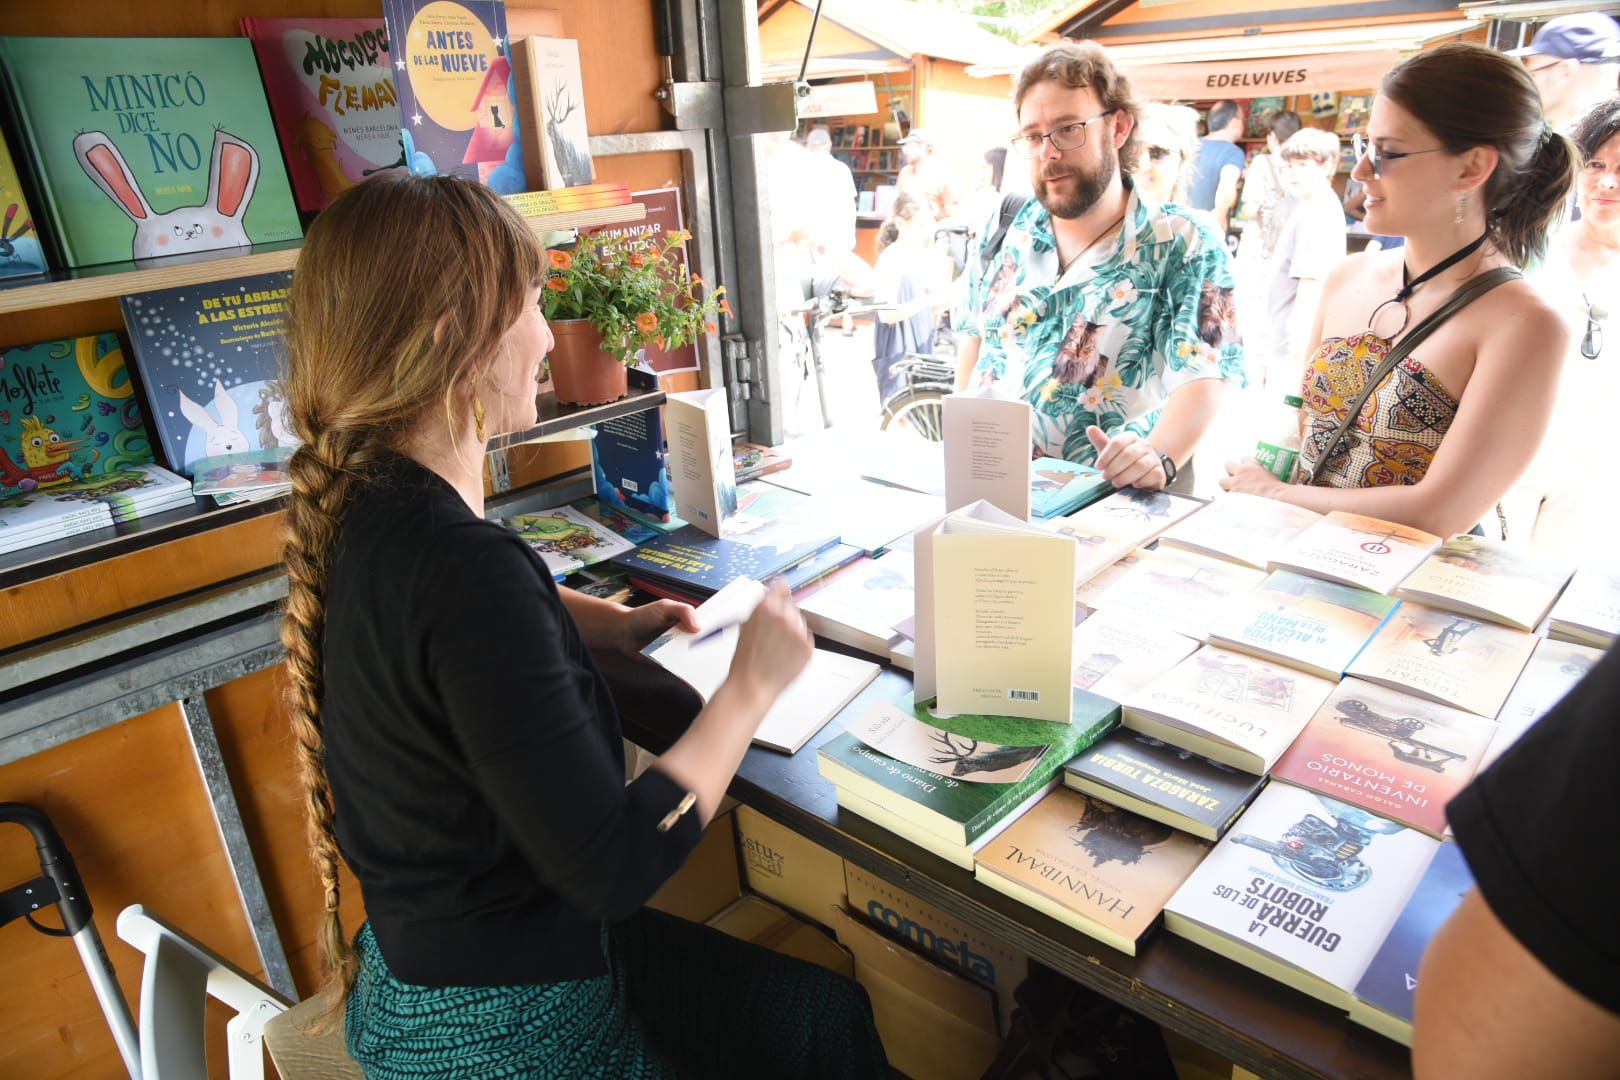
(1091,249)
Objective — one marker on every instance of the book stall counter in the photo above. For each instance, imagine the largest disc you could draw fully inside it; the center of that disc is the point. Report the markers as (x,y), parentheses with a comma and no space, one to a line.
(1257,1023)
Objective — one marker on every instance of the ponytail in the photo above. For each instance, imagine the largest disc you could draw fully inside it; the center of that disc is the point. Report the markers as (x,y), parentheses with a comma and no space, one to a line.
(1525,212)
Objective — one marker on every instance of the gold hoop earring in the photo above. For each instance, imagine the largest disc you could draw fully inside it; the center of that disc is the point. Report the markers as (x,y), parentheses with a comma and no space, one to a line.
(478,419)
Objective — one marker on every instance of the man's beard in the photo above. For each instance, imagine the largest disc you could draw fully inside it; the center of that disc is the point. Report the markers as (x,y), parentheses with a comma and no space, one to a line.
(1088,187)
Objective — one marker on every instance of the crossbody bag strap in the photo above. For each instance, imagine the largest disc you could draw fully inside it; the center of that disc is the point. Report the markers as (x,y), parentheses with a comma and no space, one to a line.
(1466,294)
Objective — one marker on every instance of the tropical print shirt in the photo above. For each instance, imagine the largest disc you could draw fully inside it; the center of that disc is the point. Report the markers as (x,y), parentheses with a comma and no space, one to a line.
(1109,342)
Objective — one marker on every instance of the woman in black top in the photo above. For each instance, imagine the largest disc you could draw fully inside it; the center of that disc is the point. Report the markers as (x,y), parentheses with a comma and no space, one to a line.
(460,749)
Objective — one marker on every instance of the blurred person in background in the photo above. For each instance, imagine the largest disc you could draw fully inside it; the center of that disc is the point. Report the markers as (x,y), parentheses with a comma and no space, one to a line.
(1309,246)
(1167,141)
(1262,209)
(1575,60)
(832,188)
(911,282)
(1562,507)
(1220,164)
(924,176)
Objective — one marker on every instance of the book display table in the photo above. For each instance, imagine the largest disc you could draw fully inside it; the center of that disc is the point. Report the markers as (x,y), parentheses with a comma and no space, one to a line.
(1259,1024)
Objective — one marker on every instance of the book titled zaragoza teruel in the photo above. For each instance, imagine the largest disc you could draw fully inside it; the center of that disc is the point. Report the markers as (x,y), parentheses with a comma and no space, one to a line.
(147,147)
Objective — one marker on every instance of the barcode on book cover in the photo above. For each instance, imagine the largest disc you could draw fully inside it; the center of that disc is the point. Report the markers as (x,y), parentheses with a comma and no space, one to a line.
(630,485)
(1023,695)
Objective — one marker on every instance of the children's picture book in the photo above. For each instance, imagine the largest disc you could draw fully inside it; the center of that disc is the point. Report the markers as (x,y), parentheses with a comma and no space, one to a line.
(1488,579)
(21,253)
(147,147)
(208,360)
(817,694)
(1317,626)
(700,466)
(333,96)
(1554,669)
(1134,514)
(1180,591)
(1589,611)
(1058,487)
(565,539)
(1356,550)
(453,73)
(1386,994)
(1304,889)
(900,735)
(1446,657)
(1150,777)
(1353,112)
(28,519)
(1228,707)
(1116,655)
(698,564)
(68,412)
(938,808)
(1240,528)
(248,470)
(1260,110)
(987,452)
(1102,870)
(554,106)
(134,492)
(632,464)
(615,519)
(1389,752)
(1003,618)
(752,461)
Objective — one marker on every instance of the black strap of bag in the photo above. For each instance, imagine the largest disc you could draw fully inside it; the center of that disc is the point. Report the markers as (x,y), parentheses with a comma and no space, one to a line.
(1467,293)
(1010,205)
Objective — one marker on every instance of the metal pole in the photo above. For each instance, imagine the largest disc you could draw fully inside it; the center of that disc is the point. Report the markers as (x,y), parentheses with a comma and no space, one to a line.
(98,965)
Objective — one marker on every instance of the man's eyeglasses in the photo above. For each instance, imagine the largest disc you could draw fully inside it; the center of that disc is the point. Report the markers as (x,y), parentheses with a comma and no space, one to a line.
(1377,158)
(1066,138)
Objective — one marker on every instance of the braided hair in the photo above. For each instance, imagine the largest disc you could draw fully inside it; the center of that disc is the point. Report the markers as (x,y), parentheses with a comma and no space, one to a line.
(404,289)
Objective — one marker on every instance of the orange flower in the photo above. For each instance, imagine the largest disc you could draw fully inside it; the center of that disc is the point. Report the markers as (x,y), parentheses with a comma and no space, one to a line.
(725,305)
(560,260)
(697,280)
(711,328)
(653,254)
(557,284)
(636,259)
(646,322)
(660,343)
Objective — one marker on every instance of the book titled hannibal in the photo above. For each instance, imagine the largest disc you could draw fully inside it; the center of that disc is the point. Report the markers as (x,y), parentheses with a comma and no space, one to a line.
(1228,707)
(457,108)
(1150,777)
(1442,656)
(1387,993)
(1102,870)
(1353,549)
(332,92)
(1317,626)
(146,147)
(1388,752)
(1303,889)
(1487,579)
(68,413)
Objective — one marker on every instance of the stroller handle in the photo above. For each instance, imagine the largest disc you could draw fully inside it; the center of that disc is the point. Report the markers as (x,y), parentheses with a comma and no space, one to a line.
(55,861)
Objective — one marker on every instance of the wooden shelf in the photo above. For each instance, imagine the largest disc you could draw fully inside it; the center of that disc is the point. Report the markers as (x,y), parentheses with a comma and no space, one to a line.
(59,556)
(121,279)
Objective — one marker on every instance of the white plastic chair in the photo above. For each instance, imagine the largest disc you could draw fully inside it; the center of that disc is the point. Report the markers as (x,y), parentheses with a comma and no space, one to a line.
(178,978)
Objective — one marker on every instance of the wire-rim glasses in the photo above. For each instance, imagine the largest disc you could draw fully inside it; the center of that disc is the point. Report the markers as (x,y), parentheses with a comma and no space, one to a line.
(1065,138)
(1375,157)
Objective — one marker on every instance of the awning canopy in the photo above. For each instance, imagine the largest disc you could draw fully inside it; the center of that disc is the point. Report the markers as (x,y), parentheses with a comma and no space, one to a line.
(864,37)
(1256,78)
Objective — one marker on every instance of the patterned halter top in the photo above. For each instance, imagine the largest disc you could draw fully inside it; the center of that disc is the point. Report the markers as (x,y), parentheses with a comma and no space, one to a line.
(1400,426)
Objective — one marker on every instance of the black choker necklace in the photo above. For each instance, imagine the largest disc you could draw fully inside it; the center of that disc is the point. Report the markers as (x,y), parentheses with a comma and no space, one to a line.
(1409,284)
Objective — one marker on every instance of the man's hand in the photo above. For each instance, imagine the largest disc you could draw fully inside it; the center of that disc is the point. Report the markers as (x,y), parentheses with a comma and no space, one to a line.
(1127,459)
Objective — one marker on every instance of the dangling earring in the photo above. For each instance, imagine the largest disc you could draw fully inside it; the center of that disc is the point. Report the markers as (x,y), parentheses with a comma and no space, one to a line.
(1462,204)
(478,419)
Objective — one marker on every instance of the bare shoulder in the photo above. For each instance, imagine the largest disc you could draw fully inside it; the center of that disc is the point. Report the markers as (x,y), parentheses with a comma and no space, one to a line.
(1363,268)
(1517,315)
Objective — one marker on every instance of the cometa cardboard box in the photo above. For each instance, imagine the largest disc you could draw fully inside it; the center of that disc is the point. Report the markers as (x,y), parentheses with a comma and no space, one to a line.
(790,869)
(933,1023)
(942,938)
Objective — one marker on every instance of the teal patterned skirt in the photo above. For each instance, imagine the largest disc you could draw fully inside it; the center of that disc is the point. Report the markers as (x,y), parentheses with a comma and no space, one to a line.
(679,1000)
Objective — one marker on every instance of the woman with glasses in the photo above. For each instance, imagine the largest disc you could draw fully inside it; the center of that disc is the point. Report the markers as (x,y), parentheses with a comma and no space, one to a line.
(1559,512)
(1421,406)
(1167,141)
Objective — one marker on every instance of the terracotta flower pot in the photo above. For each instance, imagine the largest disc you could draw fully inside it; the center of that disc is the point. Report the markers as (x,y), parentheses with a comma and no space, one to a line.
(582,373)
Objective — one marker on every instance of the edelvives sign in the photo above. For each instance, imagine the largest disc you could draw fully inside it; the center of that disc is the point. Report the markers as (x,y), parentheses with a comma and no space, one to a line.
(1274,76)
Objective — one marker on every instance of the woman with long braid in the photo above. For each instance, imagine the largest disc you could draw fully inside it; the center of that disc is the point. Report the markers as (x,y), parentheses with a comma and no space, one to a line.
(460,749)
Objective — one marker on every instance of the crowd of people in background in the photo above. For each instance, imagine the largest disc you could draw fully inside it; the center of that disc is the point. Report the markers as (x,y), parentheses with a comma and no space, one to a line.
(1293,287)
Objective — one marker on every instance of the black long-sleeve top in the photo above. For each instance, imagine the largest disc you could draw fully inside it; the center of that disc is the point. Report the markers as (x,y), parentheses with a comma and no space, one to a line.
(474,750)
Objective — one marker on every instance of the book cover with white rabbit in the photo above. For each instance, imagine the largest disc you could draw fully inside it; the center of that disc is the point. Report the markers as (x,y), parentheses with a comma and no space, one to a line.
(208,358)
(144,148)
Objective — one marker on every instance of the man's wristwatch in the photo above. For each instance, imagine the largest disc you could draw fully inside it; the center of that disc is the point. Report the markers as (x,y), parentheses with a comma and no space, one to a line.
(1168,464)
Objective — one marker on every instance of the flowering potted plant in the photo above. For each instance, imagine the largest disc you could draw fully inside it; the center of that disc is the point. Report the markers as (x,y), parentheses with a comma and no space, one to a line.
(608,297)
